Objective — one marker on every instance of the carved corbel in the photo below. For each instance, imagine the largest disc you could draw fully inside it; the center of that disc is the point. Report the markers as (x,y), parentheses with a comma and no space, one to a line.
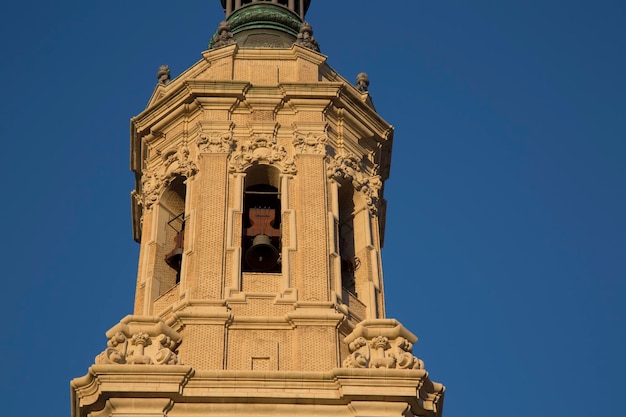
(381,343)
(141,341)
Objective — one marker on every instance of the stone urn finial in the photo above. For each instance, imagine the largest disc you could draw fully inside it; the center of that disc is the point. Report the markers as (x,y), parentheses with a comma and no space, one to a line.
(223,37)
(362,82)
(163,75)
(305,37)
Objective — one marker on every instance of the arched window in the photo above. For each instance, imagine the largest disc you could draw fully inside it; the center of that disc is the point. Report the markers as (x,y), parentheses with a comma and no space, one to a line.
(261,237)
(345,230)
(173,206)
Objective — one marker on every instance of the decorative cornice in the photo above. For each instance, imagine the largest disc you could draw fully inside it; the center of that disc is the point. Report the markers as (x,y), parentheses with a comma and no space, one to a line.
(309,392)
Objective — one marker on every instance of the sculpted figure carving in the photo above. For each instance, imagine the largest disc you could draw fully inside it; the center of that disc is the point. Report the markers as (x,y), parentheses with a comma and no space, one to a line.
(164,74)
(305,37)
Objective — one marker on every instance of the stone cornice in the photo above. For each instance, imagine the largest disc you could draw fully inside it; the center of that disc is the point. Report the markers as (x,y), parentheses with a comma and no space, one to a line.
(220,53)
(183,93)
(390,328)
(106,380)
(226,92)
(361,112)
(296,52)
(184,385)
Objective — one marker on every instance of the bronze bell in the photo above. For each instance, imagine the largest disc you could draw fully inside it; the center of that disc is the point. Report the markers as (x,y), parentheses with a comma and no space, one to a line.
(175,257)
(262,255)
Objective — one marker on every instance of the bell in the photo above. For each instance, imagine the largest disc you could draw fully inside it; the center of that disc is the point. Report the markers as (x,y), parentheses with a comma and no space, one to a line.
(262,255)
(174,258)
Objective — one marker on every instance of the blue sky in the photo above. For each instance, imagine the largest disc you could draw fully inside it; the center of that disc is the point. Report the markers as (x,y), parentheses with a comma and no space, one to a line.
(506,235)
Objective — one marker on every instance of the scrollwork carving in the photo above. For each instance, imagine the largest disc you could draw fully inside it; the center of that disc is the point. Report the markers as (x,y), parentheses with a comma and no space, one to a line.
(215,142)
(310,143)
(175,163)
(159,350)
(261,149)
(348,168)
(116,350)
(344,167)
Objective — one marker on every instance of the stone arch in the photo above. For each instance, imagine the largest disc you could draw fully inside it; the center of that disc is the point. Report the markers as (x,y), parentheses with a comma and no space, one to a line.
(262,216)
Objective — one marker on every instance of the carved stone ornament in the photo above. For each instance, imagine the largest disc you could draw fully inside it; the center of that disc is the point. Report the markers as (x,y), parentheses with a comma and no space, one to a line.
(381,343)
(261,149)
(153,183)
(310,143)
(305,38)
(348,168)
(163,75)
(362,82)
(381,353)
(223,37)
(141,341)
(215,142)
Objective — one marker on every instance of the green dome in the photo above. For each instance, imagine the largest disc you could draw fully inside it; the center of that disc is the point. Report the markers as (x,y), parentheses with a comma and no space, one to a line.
(263,24)
(294,5)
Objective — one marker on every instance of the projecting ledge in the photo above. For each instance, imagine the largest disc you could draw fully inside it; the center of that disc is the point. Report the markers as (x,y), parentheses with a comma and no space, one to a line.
(141,380)
(183,385)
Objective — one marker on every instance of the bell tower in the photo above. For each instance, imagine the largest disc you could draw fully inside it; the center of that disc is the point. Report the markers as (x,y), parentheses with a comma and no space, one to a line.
(259,212)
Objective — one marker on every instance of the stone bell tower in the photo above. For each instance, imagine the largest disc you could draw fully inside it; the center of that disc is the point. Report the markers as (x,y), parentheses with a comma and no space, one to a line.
(259,212)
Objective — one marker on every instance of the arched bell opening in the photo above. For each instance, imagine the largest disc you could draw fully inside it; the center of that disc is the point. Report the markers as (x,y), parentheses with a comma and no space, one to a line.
(345,232)
(172,207)
(261,237)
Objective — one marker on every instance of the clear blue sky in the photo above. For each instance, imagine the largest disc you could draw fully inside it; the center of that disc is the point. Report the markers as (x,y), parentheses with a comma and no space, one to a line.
(506,235)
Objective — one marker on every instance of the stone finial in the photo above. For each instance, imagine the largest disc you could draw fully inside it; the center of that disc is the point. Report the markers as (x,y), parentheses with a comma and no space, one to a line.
(362,82)
(305,37)
(164,74)
(223,37)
